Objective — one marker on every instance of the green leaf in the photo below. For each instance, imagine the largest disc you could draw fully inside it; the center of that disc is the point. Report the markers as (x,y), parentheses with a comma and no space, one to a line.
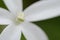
(23,37)
(2,27)
(2,4)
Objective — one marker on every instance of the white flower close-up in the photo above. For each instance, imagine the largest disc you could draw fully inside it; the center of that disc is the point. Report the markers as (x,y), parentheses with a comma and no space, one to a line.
(20,21)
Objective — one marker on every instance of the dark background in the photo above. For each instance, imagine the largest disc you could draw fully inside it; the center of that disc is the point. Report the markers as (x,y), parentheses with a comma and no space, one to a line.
(50,26)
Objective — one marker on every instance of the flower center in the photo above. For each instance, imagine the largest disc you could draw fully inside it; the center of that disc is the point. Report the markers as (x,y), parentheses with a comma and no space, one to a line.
(20,18)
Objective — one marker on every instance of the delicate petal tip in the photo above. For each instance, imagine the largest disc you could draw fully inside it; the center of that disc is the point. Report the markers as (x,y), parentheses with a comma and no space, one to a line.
(14,5)
(42,10)
(33,32)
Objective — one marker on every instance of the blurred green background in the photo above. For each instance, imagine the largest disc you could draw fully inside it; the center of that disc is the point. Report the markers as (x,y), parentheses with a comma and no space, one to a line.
(50,26)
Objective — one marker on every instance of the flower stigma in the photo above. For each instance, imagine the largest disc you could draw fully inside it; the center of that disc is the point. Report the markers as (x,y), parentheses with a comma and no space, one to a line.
(20,17)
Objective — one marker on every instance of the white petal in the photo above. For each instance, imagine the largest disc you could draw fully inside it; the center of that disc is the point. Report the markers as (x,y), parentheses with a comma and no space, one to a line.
(11,32)
(6,14)
(4,21)
(33,32)
(42,10)
(14,5)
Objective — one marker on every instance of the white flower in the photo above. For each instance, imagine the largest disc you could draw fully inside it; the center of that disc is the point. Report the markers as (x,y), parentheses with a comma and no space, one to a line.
(20,21)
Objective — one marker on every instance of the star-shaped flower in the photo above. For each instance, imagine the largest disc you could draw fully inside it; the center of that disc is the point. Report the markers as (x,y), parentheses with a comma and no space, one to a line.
(20,21)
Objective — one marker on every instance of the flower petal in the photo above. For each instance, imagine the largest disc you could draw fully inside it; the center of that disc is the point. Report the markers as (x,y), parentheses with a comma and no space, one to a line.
(6,14)
(4,21)
(42,10)
(11,32)
(33,32)
(14,5)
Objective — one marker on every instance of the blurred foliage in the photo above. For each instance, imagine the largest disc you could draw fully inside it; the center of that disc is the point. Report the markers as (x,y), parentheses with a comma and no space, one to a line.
(2,27)
(27,3)
(2,5)
(23,37)
(50,26)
